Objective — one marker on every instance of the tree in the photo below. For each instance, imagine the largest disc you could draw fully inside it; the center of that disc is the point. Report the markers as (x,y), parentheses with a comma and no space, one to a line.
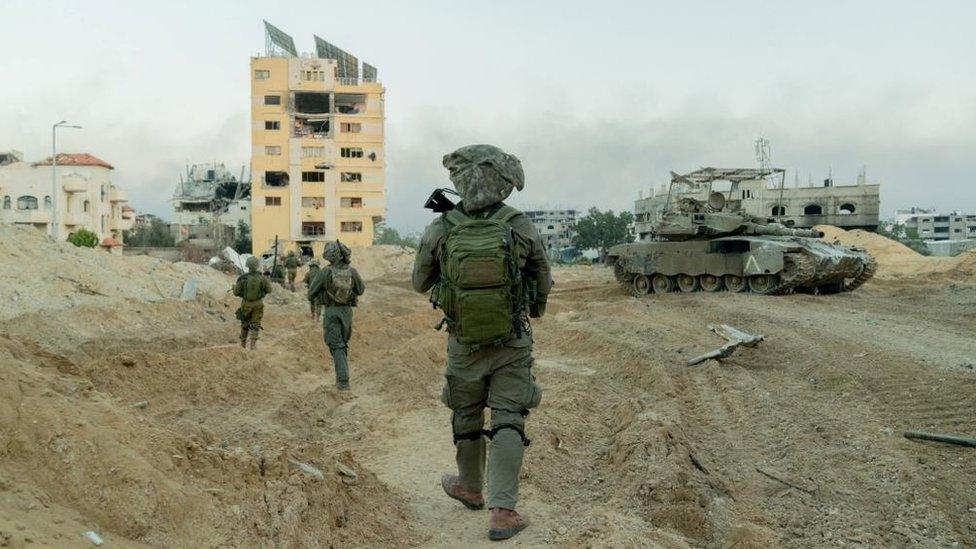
(391,236)
(83,238)
(156,235)
(242,238)
(601,230)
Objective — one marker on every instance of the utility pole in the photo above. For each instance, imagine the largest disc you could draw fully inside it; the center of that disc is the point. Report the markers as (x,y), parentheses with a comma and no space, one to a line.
(55,222)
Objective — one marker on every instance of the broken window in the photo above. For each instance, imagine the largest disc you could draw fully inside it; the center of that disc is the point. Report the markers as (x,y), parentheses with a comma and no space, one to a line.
(312,102)
(27,202)
(846,209)
(779,210)
(317,127)
(351,152)
(313,228)
(313,177)
(260,74)
(350,103)
(6,202)
(351,127)
(272,201)
(275,179)
(272,150)
(272,125)
(272,99)
(351,202)
(352,226)
(313,202)
(313,152)
(813,209)
(350,177)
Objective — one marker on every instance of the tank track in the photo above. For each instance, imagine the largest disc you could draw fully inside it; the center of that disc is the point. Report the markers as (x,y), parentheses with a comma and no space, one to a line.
(870,268)
(805,271)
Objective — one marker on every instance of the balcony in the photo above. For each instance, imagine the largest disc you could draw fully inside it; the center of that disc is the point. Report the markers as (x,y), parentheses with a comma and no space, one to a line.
(74,218)
(116,194)
(74,186)
(30,216)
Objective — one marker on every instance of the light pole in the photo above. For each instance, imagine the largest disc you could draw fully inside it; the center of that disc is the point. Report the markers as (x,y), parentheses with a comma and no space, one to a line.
(54,175)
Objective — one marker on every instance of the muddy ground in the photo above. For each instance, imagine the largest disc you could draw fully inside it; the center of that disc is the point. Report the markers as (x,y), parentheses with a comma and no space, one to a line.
(794,443)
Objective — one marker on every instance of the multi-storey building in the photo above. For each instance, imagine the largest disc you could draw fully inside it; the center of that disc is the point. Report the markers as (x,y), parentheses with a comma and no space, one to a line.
(933,226)
(556,227)
(86,197)
(317,148)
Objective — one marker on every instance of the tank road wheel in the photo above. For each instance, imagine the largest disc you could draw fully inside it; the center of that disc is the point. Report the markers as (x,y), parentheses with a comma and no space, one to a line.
(688,283)
(662,284)
(735,283)
(710,283)
(641,286)
(763,284)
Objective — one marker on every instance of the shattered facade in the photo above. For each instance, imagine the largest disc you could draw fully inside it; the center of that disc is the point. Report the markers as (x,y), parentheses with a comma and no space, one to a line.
(87,198)
(318,154)
(208,201)
(556,227)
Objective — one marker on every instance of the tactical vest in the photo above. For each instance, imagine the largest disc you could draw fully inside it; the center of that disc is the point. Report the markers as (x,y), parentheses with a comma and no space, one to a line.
(253,287)
(480,290)
(341,288)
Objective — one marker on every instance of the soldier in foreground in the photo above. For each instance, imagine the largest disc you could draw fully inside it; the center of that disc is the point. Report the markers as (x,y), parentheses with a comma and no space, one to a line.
(251,287)
(489,270)
(315,305)
(291,263)
(339,287)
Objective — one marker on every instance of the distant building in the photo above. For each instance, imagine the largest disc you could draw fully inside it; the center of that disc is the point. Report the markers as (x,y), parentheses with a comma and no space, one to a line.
(208,203)
(317,142)
(86,197)
(750,190)
(944,234)
(556,227)
(145,220)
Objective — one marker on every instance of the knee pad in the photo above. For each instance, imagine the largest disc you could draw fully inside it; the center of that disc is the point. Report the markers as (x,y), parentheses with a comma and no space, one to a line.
(521,433)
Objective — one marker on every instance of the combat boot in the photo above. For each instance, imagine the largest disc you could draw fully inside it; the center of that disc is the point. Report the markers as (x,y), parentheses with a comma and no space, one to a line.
(505,523)
(254,339)
(452,487)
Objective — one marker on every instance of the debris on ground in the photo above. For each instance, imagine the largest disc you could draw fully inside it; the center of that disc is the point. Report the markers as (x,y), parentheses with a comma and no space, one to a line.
(939,437)
(735,339)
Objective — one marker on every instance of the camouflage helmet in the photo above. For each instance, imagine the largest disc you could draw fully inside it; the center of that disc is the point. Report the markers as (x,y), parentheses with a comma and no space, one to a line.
(252,263)
(336,252)
(484,175)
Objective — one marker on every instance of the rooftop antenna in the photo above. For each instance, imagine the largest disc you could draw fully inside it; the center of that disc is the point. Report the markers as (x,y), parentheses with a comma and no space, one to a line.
(765,167)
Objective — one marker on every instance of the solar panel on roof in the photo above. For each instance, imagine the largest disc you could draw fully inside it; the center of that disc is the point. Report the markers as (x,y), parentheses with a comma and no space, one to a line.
(279,38)
(369,72)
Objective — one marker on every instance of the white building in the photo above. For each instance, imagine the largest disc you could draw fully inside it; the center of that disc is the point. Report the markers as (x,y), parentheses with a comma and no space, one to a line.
(86,197)
(556,227)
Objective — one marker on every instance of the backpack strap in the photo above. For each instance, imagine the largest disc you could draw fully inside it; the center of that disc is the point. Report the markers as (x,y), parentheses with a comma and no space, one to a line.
(506,213)
(454,218)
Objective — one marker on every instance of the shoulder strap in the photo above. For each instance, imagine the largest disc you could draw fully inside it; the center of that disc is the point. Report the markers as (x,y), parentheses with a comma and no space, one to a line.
(506,213)
(453,218)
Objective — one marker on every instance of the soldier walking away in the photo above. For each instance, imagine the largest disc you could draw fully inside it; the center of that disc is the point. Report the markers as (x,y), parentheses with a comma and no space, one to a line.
(251,288)
(339,287)
(291,263)
(315,305)
(489,272)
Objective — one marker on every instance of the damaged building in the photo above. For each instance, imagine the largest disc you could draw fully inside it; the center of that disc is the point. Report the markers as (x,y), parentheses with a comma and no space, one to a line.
(208,203)
(318,154)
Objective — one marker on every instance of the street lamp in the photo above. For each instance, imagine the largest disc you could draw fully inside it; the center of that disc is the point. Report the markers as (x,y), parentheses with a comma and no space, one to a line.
(54,175)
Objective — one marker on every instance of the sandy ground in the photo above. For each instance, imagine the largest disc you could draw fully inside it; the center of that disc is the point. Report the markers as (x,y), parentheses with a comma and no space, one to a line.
(137,416)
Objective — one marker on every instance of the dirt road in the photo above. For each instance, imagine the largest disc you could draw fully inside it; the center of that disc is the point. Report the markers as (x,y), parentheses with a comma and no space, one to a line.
(793,443)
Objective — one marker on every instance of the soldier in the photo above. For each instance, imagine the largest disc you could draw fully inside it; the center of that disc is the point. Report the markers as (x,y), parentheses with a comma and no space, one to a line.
(339,287)
(251,288)
(489,257)
(291,263)
(315,304)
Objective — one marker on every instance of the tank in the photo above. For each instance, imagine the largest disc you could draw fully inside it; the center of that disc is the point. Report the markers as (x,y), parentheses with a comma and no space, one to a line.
(698,246)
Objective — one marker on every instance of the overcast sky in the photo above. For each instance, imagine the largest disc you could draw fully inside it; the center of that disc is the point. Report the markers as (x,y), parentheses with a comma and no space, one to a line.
(598,99)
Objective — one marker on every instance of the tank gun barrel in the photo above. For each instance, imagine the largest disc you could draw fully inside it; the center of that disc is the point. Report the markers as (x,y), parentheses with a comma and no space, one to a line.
(780,230)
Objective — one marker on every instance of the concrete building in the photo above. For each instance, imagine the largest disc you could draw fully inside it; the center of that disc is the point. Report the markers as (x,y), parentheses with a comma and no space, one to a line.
(939,227)
(557,228)
(751,190)
(208,203)
(317,147)
(86,199)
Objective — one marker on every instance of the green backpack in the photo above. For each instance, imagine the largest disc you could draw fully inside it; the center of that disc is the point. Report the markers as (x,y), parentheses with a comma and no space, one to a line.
(480,290)
(253,289)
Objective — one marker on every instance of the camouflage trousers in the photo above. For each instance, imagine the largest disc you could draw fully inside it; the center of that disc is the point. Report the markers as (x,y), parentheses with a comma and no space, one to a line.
(499,378)
(337,324)
(251,313)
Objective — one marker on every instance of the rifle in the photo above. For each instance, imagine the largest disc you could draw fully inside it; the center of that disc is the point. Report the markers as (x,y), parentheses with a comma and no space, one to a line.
(274,262)
(438,202)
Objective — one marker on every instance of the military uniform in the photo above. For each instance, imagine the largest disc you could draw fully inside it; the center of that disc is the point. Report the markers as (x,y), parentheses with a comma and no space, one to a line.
(251,288)
(291,264)
(315,305)
(337,317)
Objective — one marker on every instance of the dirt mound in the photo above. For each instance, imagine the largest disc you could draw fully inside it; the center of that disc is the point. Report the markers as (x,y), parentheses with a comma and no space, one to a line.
(895,260)
(377,261)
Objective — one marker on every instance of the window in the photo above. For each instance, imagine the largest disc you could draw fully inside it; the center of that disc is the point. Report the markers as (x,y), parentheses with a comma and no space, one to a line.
(352,226)
(812,209)
(350,127)
(47,203)
(313,75)
(313,228)
(351,152)
(313,177)
(6,202)
(27,203)
(778,210)
(846,209)
(272,125)
(313,152)
(350,177)
(272,150)
(86,207)
(275,179)
(262,74)
(351,202)
(312,102)
(942,229)
(272,201)
(272,99)
(313,202)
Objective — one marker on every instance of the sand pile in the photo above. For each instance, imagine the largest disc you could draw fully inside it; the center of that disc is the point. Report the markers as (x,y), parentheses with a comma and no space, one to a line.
(37,274)
(379,261)
(896,260)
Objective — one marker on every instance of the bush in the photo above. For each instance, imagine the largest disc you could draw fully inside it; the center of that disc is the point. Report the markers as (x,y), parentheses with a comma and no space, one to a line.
(83,238)
(391,236)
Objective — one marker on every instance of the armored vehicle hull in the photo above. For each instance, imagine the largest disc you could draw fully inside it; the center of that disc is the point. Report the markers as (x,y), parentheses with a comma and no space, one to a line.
(762,264)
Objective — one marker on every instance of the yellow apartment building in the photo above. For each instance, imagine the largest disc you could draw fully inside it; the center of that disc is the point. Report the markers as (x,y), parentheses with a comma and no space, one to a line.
(317,149)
